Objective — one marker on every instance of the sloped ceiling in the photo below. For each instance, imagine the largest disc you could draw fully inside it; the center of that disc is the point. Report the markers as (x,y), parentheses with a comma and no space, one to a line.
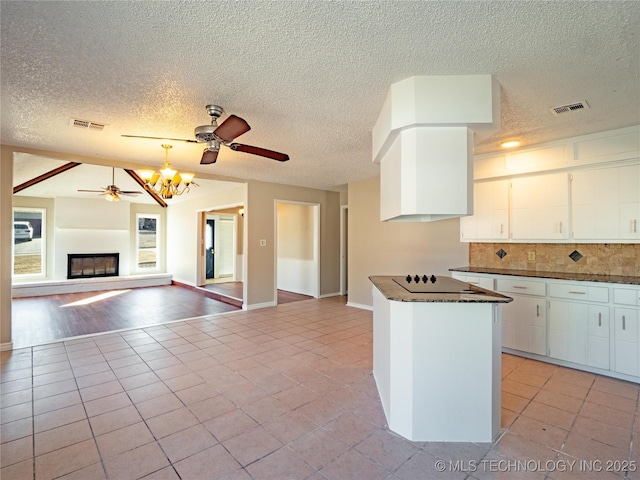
(309,76)
(95,177)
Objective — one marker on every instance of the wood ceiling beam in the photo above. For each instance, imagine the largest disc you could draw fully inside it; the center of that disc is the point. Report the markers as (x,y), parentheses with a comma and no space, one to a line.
(45,176)
(142,183)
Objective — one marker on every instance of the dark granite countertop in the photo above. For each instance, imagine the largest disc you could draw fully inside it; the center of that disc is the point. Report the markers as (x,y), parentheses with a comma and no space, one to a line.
(581,277)
(392,291)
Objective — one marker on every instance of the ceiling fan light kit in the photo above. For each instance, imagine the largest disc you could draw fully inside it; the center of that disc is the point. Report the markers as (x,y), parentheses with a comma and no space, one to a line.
(168,183)
(112,192)
(215,135)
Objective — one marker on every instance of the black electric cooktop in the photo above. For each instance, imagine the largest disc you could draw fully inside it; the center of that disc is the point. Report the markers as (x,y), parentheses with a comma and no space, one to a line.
(432,284)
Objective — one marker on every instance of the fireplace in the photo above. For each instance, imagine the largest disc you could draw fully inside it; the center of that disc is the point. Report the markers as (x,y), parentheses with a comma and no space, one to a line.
(89,265)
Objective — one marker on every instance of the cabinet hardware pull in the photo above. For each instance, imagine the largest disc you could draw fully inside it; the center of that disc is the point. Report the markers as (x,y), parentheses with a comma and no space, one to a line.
(624,323)
(577,293)
(635,225)
(560,227)
(599,319)
(501,228)
(518,286)
(537,310)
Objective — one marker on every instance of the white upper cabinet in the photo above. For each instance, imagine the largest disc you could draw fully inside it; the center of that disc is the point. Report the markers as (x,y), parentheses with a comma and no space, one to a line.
(490,219)
(583,188)
(540,207)
(594,202)
(606,203)
(629,197)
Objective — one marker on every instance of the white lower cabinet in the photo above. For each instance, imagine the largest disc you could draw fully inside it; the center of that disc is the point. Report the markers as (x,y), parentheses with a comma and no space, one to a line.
(592,325)
(598,337)
(525,321)
(627,356)
(579,333)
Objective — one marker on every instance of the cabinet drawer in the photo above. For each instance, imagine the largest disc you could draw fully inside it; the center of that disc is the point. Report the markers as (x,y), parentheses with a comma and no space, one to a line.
(523,287)
(626,296)
(579,292)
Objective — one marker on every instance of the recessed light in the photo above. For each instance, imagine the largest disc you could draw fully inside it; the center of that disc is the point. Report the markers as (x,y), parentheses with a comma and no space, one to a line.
(510,144)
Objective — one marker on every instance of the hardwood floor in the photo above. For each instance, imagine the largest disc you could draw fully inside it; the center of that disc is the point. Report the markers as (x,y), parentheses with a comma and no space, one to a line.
(234,290)
(38,320)
(288,297)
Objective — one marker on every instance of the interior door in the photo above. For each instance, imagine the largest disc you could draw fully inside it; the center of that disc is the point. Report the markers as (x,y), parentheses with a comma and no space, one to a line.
(209,238)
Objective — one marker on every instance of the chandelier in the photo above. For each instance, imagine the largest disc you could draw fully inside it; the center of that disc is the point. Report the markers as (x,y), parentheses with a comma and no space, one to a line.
(168,183)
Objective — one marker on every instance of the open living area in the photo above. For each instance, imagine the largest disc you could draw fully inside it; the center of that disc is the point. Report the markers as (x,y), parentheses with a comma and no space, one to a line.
(319,240)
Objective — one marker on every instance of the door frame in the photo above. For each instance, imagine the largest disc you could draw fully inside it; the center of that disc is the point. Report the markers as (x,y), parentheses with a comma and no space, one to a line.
(344,248)
(201,256)
(316,245)
(216,218)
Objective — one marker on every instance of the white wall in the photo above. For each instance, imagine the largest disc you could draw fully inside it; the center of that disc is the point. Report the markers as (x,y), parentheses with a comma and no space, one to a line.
(184,246)
(261,261)
(296,262)
(395,248)
(96,227)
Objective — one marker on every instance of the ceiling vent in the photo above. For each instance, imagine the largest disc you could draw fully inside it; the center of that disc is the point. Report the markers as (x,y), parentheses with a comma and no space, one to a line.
(571,107)
(87,125)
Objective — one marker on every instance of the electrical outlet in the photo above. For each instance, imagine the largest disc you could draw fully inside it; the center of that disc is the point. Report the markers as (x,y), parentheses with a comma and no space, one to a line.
(532,256)
(263,243)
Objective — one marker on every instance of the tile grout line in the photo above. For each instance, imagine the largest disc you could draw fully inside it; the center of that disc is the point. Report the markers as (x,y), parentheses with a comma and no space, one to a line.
(93,437)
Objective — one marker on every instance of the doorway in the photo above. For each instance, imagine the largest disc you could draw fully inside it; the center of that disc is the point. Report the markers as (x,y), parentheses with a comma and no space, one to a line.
(220,248)
(298,248)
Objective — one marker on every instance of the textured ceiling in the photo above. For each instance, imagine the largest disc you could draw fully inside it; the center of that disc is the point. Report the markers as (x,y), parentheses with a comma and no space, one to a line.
(310,77)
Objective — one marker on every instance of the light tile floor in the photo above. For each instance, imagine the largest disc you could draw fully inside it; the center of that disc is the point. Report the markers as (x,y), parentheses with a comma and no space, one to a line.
(283,393)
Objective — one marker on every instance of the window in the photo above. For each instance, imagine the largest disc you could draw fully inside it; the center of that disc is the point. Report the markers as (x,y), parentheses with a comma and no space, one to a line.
(28,242)
(147,241)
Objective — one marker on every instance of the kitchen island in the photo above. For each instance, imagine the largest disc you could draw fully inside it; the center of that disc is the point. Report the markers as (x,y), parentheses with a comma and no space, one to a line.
(436,359)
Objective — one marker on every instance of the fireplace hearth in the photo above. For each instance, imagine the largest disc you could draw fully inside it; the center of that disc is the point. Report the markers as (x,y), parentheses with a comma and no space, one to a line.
(89,265)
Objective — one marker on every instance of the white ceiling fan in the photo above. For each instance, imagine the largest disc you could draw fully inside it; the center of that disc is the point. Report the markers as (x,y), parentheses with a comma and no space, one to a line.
(112,192)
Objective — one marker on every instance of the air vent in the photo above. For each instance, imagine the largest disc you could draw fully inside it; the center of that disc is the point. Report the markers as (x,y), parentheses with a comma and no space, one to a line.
(571,107)
(86,124)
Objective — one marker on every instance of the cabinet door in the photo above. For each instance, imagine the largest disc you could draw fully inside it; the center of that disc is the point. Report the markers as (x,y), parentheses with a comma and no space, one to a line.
(537,326)
(626,341)
(508,314)
(598,337)
(540,207)
(594,203)
(605,203)
(629,208)
(490,219)
(526,324)
(568,331)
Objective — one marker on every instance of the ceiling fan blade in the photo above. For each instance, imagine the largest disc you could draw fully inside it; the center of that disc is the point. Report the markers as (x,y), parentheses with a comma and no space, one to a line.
(208,157)
(263,152)
(92,191)
(129,192)
(162,138)
(231,128)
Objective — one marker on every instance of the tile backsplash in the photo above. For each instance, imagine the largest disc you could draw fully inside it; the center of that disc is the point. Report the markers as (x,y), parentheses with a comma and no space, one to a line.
(590,258)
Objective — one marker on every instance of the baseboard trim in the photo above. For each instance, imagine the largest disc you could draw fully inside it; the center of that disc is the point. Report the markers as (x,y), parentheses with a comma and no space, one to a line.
(360,306)
(5,347)
(256,306)
(327,295)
